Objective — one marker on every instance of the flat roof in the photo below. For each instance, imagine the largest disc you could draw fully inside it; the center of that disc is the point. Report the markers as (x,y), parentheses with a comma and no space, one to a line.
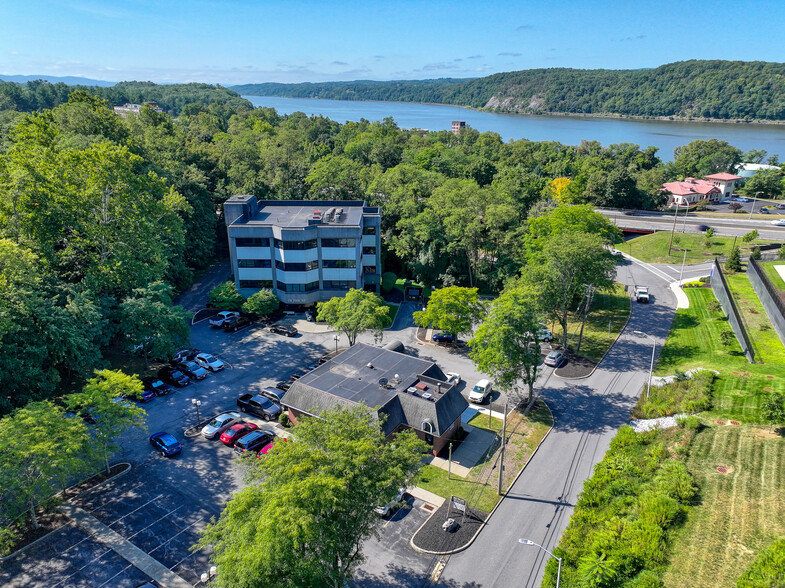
(299,214)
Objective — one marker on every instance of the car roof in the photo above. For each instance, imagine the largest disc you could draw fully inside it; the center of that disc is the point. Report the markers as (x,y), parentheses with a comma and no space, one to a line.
(554,353)
(484,382)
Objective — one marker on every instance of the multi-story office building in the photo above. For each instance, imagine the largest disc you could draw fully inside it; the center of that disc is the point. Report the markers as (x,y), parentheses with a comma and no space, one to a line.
(304,250)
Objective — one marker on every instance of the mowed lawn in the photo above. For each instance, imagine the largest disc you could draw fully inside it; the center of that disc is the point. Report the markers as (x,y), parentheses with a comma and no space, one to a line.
(739,512)
(773,274)
(654,248)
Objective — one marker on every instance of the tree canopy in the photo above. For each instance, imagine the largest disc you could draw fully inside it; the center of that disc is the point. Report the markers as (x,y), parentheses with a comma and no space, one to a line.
(452,309)
(357,312)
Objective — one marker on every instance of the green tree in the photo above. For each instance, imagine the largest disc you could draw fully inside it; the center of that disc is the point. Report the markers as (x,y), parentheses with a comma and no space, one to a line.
(261,303)
(751,236)
(701,158)
(772,409)
(453,309)
(766,183)
(733,263)
(357,312)
(506,345)
(755,253)
(565,220)
(226,297)
(313,500)
(101,398)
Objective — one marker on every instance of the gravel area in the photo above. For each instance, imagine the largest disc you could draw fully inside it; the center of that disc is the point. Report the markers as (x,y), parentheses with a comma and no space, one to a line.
(431,538)
(660,381)
(576,366)
(643,425)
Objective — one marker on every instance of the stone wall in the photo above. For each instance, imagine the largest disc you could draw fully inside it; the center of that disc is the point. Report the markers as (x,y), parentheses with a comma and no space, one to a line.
(721,291)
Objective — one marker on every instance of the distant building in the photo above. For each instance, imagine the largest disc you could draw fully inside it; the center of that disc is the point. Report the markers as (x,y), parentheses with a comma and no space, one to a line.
(304,250)
(691,190)
(129,108)
(408,392)
(725,182)
(457,126)
(747,170)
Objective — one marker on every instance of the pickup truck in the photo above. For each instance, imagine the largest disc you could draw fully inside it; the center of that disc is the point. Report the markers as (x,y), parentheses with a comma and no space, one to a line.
(642,294)
(218,320)
(260,406)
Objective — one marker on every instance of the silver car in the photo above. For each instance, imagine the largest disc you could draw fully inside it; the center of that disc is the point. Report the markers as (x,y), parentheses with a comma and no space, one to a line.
(554,358)
(220,423)
(209,362)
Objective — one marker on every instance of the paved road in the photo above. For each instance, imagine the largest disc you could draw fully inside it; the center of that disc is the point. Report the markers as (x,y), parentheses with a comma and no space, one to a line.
(587,414)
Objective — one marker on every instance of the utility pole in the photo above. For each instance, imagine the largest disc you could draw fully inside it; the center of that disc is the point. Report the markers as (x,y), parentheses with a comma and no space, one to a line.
(504,442)
(449,460)
(589,295)
(673,229)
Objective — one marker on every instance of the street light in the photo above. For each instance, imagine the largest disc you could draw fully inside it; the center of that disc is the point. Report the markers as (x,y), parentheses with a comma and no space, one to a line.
(197,404)
(653,348)
(209,575)
(530,542)
(683,261)
(754,198)
(336,338)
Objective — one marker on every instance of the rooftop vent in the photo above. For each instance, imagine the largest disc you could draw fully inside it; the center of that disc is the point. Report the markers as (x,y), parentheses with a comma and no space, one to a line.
(411,390)
(427,396)
(383,383)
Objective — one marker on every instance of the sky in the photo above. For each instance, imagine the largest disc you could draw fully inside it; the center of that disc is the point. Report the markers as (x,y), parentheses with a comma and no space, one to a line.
(244,41)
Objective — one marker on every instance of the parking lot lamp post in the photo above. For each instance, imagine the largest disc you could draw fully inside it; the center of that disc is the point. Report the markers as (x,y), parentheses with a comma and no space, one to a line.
(754,198)
(530,542)
(653,348)
(209,575)
(197,404)
(336,338)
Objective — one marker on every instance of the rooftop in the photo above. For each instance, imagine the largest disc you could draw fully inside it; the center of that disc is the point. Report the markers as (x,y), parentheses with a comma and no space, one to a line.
(723,177)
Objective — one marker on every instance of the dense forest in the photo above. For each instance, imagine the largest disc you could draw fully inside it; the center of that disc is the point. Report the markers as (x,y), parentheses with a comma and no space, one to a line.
(751,90)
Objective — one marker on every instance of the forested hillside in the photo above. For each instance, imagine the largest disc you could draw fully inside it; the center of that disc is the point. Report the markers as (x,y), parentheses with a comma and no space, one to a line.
(753,90)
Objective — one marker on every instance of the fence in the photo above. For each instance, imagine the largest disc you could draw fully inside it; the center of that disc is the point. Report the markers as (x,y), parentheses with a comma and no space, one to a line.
(720,288)
(770,297)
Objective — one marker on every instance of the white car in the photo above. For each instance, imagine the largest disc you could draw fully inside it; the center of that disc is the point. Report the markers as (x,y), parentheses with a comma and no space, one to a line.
(554,358)
(220,423)
(209,362)
(453,378)
(780,222)
(480,392)
(387,509)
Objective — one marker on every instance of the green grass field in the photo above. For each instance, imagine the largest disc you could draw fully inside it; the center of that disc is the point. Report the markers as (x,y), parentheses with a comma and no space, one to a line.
(773,274)
(654,248)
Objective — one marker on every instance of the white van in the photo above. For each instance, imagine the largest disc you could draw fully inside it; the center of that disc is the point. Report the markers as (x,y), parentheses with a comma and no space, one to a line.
(480,392)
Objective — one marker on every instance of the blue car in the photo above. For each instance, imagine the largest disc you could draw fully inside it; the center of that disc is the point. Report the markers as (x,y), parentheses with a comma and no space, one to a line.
(443,338)
(165,444)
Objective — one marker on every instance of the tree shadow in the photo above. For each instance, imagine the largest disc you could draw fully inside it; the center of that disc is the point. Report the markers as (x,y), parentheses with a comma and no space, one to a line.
(397,576)
(581,409)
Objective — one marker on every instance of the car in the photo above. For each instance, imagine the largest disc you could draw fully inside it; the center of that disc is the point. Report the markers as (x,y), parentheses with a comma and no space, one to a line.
(443,338)
(283,385)
(545,335)
(236,431)
(234,324)
(781,206)
(765,211)
(218,320)
(453,378)
(209,362)
(780,222)
(298,374)
(156,386)
(742,199)
(310,316)
(184,355)
(260,406)
(173,376)
(481,391)
(144,396)
(702,228)
(287,330)
(192,370)
(389,508)
(266,449)
(220,423)
(554,358)
(165,444)
(274,394)
(253,441)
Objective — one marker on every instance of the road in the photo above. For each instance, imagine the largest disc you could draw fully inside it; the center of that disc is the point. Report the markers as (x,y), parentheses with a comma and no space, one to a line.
(587,414)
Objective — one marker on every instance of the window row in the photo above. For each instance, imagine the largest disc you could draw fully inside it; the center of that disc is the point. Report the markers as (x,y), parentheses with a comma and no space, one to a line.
(309,287)
(297,266)
(294,245)
(252,242)
(292,266)
(256,283)
(254,263)
(339,284)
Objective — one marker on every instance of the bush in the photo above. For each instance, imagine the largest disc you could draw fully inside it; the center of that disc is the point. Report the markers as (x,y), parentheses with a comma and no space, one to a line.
(689,422)
(727,338)
(688,395)
(781,253)
(680,376)
(284,420)
(755,253)
(261,303)
(226,297)
(750,237)
(734,260)
(714,306)
(767,570)
(8,539)
(388,282)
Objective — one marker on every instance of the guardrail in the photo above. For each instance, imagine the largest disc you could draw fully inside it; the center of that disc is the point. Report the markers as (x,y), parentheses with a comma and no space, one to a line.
(720,288)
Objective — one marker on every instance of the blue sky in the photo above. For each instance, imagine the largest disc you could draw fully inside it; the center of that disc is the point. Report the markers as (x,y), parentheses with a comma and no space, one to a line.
(242,41)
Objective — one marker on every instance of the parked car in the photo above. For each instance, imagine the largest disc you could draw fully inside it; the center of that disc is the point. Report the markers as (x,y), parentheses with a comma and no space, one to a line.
(554,358)
(480,392)
(266,449)
(443,338)
(173,376)
(156,386)
(765,211)
(252,441)
(165,444)
(310,316)
(192,369)
(184,355)
(236,431)
(780,222)
(545,335)
(389,508)
(209,362)
(703,228)
(218,320)
(453,378)
(742,199)
(781,205)
(283,385)
(145,396)
(220,423)
(234,324)
(274,394)
(287,330)
(260,406)
(297,375)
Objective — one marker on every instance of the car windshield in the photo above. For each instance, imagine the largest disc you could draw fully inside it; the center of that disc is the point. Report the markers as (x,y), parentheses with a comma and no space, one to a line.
(176,374)
(477,389)
(216,422)
(266,403)
(157,384)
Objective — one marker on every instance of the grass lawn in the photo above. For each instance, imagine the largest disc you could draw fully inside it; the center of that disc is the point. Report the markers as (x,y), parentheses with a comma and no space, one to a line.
(401,284)
(694,341)
(773,274)
(524,433)
(739,512)
(607,307)
(654,248)
(393,308)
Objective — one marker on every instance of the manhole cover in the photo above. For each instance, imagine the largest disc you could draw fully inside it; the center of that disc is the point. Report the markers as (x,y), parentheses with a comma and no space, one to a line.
(722,470)
(428,507)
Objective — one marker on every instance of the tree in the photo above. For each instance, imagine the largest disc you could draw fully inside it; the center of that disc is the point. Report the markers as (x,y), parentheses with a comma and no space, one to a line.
(262,302)
(766,181)
(565,220)
(355,313)
(733,264)
(101,398)
(701,158)
(751,236)
(735,206)
(755,253)
(453,309)
(313,500)
(226,297)
(772,409)
(506,344)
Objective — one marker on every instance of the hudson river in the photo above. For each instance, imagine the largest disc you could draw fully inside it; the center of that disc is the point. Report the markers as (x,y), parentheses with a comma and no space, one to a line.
(666,135)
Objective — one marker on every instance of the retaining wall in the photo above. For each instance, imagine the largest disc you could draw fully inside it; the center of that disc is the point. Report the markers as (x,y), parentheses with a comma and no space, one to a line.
(769,296)
(721,291)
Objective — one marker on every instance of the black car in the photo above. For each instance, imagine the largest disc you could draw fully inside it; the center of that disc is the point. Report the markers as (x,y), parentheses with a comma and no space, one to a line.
(192,370)
(253,441)
(156,386)
(274,394)
(184,355)
(287,330)
(703,227)
(173,376)
(283,385)
(235,323)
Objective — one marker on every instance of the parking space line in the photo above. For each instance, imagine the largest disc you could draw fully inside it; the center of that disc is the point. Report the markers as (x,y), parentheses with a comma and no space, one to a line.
(84,566)
(158,520)
(135,510)
(173,536)
(129,566)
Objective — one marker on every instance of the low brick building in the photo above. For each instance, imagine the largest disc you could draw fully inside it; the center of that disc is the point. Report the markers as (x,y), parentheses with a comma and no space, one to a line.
(407,392)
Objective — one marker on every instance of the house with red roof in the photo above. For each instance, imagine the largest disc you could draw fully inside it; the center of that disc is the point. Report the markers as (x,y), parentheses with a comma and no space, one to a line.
(725,182)
(692,190)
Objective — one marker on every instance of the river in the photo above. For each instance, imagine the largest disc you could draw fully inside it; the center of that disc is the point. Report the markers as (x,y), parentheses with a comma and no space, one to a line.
(666,135)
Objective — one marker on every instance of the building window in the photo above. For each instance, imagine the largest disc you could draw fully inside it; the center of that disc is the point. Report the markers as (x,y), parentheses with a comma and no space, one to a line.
(256,283)
(254,263)
(339,284)
(369,230)
(252,242)
(369,250)
(342,242)
(339,263)
(296,245)
(309,287)
(369,269)
(296,266)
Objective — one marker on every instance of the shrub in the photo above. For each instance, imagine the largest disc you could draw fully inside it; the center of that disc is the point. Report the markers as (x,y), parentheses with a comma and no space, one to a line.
(755,253)
(704,279)
(781,253)
(733,264)
(8,539)
(714,306)
(226,297)
(680,376)
(284,420)
(727,338)
(767,570)
(750,237)
(388,281)
(261,303)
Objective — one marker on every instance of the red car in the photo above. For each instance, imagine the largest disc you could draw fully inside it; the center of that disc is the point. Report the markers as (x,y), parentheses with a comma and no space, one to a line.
(265,450)
(233,433)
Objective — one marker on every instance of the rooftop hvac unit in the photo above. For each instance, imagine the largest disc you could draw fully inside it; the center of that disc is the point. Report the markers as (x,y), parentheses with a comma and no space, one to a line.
(427,396)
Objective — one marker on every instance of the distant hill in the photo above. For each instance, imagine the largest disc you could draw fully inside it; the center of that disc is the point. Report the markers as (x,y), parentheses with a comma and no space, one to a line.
(69,80)
(750,90)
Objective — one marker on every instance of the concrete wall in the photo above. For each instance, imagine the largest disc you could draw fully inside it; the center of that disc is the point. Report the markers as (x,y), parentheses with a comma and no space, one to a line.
(720,289)
(766,292)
